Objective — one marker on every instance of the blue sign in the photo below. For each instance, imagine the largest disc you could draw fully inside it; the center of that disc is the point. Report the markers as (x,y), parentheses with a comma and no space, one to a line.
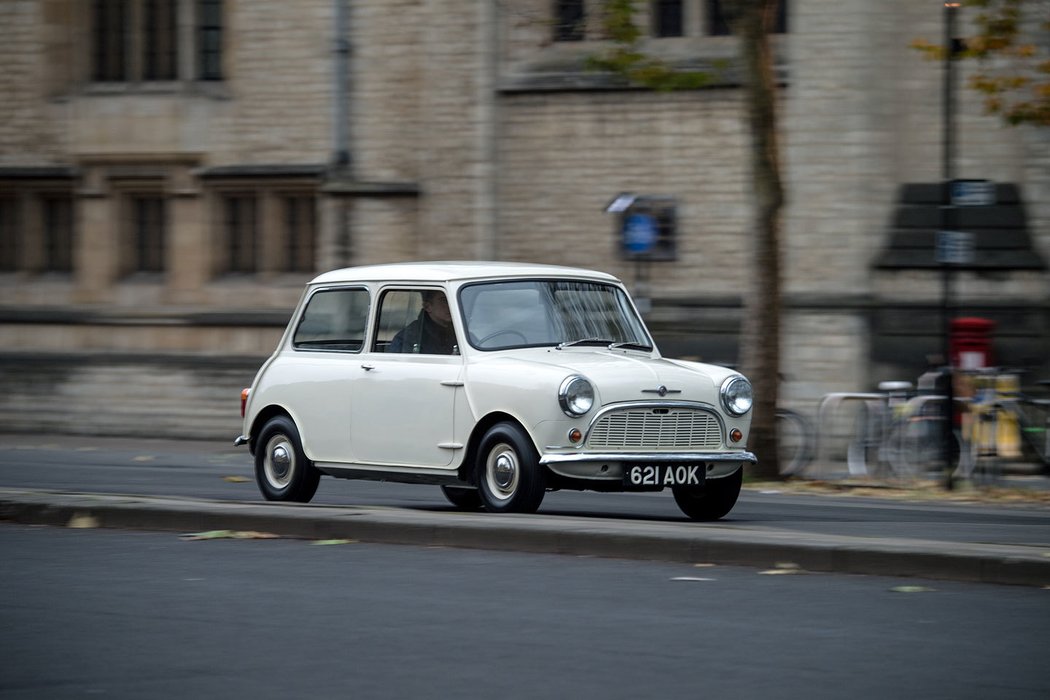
(973,193)
(639,233)
(955,247)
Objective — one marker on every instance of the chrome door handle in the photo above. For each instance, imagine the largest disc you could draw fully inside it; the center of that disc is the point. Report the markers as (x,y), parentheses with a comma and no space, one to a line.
(367,367)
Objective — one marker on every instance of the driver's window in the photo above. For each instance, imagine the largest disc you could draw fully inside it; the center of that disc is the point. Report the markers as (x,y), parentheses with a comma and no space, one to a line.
(415,321)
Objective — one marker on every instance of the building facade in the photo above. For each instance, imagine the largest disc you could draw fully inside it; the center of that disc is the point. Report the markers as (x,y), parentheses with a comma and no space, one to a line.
(173,171)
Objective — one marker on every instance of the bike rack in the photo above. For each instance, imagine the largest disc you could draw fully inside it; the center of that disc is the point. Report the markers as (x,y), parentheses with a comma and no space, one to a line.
(831,402)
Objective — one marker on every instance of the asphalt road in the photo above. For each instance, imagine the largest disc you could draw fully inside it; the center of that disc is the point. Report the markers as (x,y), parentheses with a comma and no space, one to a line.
(220,471)
(110,613)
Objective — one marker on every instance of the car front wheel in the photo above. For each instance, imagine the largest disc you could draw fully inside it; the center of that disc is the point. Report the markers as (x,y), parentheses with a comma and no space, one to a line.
(510,478)
(711,501)
(281,468)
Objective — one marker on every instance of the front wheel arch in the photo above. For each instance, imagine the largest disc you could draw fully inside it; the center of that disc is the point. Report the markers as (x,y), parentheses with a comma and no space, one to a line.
(470,455)
(508,473)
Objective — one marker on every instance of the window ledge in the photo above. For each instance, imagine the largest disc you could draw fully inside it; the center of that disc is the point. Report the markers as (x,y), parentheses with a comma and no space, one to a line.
(563,68)
(216,90)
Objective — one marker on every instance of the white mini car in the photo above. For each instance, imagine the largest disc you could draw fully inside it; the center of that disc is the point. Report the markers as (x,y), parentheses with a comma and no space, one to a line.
(495,381)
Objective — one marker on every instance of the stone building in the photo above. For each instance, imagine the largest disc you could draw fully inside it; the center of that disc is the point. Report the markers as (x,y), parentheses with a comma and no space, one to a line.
(173,171)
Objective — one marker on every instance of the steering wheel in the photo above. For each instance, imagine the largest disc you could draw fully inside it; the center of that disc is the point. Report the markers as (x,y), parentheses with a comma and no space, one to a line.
(505,331)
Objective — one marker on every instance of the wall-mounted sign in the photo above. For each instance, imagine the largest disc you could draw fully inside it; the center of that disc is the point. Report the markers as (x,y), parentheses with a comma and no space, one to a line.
(972,193)
(955,248)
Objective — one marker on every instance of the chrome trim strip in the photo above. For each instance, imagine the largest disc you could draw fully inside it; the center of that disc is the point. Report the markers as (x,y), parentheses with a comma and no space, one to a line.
(241,440)
(632,405)
(328,467)
(737,456)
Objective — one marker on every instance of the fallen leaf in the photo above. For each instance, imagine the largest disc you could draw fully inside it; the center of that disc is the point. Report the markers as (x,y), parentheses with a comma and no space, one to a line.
(82,521)
(235,479)
(912,589)
(330,542)
(782,568)
(143,458)
(230,535)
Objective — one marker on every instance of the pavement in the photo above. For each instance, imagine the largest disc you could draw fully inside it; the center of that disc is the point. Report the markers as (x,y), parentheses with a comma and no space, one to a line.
(708,543)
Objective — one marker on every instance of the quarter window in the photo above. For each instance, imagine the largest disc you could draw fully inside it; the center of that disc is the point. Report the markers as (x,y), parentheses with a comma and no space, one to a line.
(333,320)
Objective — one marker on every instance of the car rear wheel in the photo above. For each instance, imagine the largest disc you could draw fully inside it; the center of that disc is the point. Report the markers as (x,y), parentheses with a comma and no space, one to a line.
(509,475)
(711,501)
(281,468)
(462,497)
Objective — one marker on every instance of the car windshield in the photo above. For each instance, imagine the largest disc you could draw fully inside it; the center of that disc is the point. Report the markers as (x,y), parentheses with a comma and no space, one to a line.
(501,315)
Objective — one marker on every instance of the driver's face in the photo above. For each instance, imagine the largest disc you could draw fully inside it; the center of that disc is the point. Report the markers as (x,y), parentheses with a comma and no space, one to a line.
(437,308)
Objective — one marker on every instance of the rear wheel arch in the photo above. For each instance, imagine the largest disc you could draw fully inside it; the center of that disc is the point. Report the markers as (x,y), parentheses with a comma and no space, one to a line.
(261,419)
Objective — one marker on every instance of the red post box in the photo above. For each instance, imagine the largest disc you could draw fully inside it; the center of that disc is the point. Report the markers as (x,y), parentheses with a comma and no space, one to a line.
(970,343)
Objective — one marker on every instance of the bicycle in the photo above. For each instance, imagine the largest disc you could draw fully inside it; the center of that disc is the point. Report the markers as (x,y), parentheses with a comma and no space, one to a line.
(895,435)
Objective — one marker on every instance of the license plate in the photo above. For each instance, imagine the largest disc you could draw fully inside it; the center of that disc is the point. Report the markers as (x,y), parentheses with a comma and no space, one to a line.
(653,477)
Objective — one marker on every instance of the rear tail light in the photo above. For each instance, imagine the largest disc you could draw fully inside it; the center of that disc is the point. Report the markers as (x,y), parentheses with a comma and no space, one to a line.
(244,400)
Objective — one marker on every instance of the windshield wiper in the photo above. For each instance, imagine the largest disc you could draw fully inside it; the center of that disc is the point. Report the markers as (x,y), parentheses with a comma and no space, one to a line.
(584,341)
(631,346)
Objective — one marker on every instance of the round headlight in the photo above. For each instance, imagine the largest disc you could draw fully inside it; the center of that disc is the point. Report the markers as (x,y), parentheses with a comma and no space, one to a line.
(737,396)
(576,396)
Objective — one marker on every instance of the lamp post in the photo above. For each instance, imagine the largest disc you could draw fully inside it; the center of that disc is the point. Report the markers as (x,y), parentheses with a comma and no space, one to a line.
(948,225)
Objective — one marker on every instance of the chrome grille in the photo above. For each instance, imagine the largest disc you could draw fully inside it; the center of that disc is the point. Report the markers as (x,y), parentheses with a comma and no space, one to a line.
(656,429)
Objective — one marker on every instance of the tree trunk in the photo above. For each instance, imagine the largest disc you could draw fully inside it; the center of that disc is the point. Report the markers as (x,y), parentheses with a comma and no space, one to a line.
(760,354)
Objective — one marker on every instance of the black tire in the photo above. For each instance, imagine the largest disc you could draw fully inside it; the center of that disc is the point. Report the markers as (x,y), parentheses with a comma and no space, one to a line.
(509,475)
(462,497)
(282,470)
(711,501)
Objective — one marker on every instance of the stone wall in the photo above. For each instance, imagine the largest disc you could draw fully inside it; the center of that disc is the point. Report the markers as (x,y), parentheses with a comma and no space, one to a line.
(115,394)
(472,135)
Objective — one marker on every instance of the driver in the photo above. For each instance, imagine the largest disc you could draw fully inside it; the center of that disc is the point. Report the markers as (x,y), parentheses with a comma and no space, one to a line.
(432,333)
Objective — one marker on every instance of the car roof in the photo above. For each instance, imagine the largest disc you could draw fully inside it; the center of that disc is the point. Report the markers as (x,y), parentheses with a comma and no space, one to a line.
(448,271)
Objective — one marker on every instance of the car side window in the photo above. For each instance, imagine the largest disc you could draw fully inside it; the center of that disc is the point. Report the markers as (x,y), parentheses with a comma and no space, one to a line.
(334,319)
(415,321)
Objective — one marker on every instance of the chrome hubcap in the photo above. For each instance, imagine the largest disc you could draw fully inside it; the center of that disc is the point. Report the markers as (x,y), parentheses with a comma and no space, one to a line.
(502,472)
(280,461)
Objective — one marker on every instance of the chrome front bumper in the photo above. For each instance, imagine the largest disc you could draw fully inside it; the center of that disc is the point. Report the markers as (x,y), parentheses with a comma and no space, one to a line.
(609,466)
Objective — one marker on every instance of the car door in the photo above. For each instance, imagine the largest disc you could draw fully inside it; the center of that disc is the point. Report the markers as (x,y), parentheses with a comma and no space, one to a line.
(321,368)
(402,412)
